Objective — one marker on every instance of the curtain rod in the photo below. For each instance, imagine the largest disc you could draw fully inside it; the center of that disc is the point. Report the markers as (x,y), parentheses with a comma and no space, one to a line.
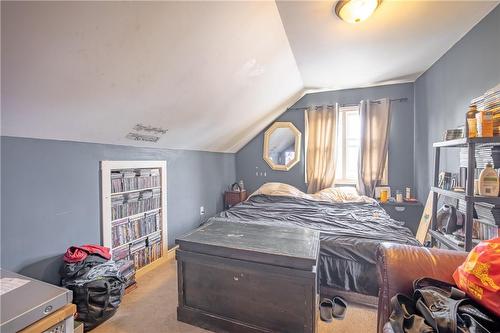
(404,99)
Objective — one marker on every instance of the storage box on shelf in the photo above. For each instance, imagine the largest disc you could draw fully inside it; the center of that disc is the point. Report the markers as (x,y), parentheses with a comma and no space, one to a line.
(134,213)
(468,199)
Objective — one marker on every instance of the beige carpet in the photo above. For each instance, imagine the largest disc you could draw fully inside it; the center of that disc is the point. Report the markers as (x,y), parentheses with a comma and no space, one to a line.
(152,308)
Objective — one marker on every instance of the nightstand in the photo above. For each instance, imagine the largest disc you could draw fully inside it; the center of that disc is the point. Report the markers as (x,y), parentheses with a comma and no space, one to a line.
(407,212)
(232,198)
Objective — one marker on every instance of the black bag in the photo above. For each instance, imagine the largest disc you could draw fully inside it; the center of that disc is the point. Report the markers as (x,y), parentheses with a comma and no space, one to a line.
(97,300)
(439,307)
(97,286)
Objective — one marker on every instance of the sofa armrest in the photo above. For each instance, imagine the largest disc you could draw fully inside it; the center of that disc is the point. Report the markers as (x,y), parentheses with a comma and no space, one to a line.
(399,265)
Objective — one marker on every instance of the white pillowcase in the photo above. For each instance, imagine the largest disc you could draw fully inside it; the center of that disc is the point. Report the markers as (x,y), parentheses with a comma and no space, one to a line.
(331,194)
(280,189)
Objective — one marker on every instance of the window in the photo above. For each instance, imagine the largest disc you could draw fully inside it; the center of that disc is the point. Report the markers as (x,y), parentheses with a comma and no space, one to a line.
(348,141)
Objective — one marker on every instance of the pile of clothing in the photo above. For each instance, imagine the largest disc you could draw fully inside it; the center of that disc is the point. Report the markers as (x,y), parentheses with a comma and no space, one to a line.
(96,282)
(440,307)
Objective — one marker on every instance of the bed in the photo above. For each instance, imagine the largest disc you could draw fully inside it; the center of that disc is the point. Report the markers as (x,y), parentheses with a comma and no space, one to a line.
(351,228)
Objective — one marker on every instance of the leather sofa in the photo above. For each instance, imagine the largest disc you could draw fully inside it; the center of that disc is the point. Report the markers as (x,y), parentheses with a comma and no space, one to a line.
(398,265)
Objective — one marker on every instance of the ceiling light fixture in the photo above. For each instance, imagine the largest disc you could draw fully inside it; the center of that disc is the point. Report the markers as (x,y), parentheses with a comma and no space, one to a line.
(355,11)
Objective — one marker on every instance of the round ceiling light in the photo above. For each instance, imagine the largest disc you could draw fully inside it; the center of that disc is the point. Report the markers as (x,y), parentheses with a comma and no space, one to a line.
(355,11)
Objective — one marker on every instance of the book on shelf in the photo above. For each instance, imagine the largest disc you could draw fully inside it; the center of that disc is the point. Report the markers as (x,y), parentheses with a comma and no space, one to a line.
(485,212)
(484,229)
(155,251)
(136,179)
(139,253)
(121,232)
(126,230)
(154,238)
(116,182)
(122,253)
(124,205)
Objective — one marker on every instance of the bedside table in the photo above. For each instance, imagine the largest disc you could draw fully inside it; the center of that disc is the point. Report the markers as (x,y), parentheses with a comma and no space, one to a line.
(232,198)
(407,212)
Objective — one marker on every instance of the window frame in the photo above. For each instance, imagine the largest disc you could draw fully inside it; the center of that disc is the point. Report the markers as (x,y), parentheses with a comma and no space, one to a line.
(343,110)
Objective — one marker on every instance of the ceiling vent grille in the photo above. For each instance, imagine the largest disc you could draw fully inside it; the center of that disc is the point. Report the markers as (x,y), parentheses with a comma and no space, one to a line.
(150,129)
(142,137)
(157,131)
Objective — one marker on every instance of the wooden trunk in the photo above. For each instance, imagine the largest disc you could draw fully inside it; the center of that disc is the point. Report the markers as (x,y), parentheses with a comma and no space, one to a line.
(248,278)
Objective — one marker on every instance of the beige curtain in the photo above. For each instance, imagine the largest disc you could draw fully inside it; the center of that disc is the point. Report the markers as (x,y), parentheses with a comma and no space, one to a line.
(321,137)
(372,163)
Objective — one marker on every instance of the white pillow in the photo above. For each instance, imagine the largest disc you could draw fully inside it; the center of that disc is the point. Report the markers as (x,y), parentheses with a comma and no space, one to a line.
(335,194)
(341,194)
(280,189)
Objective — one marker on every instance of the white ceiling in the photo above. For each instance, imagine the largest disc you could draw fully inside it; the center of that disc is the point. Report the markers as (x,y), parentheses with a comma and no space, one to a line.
(213,73)
(398,43)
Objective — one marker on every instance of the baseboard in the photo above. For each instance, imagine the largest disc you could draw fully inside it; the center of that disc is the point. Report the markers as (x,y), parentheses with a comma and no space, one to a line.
(171,253)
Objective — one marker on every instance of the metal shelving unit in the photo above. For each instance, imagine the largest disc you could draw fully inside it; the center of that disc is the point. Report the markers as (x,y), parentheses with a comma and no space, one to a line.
(469,197)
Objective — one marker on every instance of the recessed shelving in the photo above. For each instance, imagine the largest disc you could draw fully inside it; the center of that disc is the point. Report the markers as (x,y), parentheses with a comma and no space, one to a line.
(134,218)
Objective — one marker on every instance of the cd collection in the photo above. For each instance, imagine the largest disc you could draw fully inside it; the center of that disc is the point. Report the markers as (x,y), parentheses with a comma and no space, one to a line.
(146,251)
(486,220)
(124,205)
(123,253)
(120,232)
(154,251)
(136,236)
(138,253)
(130,180)
(483,230)
(126,230)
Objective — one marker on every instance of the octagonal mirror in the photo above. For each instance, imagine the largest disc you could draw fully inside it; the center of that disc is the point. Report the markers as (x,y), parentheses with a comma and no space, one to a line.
(282,146)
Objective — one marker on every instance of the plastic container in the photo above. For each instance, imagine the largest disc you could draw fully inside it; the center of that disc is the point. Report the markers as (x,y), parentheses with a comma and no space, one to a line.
(472,122)
(484,121)
(488,182)
(399,196)
(384,196)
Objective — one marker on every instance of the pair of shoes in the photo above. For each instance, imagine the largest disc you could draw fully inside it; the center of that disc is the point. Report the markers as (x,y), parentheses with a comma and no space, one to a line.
(334,308)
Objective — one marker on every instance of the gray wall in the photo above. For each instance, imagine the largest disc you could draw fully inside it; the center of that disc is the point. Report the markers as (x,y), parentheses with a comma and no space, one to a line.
(444,91)
(249,158)
(51,196)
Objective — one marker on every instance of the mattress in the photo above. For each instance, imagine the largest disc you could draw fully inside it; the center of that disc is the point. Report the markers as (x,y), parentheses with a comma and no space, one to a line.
(350,234)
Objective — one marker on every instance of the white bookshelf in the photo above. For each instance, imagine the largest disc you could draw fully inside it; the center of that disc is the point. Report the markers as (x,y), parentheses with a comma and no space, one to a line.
(107,195)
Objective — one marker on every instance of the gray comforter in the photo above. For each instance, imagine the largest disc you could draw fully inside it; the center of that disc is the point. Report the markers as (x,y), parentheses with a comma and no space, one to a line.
(350,234)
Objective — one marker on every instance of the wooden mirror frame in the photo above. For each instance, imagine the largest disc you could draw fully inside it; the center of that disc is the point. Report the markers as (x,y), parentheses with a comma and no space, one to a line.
(267,136)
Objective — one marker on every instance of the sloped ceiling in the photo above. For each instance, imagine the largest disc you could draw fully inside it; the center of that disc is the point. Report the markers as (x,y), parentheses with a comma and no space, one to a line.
(398,43)
(213,73)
